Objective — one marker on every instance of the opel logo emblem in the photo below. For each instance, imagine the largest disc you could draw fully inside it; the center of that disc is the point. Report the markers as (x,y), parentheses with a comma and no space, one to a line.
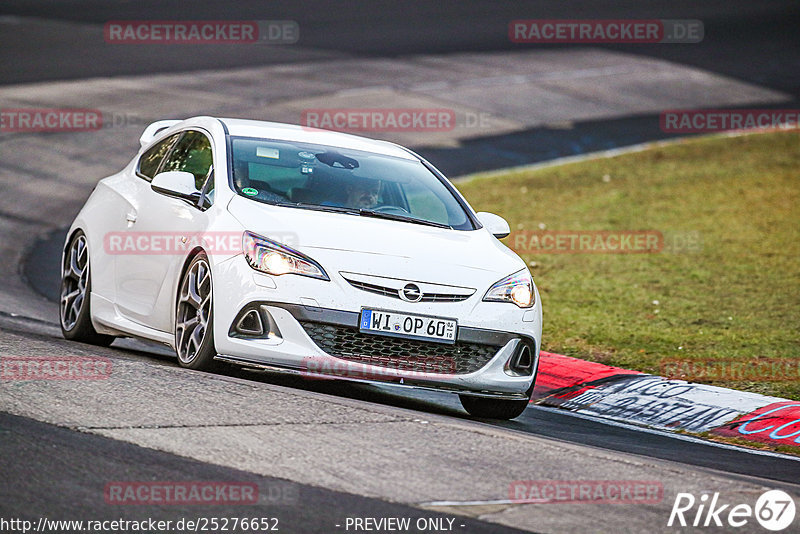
(411,293)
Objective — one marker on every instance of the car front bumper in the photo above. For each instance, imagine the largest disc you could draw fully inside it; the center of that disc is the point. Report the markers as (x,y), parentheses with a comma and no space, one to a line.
(297,336)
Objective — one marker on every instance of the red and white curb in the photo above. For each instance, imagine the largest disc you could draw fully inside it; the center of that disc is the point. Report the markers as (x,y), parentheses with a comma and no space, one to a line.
(629,396)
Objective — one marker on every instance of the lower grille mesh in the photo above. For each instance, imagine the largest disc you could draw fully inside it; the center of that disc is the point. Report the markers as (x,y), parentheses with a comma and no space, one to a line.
(401,354)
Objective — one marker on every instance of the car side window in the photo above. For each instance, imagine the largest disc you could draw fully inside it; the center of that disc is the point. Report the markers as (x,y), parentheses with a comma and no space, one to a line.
(192,154)
(152,158)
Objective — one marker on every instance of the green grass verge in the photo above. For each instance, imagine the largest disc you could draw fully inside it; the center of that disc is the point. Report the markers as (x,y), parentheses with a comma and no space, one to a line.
(732,296)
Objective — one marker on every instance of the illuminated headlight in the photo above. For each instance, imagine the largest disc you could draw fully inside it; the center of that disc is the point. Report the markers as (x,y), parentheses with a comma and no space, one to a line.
(273,258)
(516,288)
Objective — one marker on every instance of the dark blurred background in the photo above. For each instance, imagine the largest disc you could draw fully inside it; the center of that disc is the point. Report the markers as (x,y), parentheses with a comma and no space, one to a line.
(753,40)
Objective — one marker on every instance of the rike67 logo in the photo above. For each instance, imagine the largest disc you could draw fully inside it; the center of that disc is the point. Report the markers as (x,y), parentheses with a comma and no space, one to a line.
(774,510)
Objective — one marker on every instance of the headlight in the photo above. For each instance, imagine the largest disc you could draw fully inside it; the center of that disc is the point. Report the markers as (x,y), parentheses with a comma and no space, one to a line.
(516,288)
(271,257)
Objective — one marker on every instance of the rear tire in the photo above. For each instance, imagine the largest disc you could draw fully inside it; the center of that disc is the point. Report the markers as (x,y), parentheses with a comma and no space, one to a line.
(486,408)
(75,295)
(194,318)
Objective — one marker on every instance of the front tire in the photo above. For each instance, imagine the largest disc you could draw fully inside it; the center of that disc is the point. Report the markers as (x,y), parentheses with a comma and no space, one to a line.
(194,321)
(76,289)
(486,408)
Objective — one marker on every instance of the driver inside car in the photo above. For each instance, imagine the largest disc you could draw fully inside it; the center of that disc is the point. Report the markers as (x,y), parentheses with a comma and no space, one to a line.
(362,194)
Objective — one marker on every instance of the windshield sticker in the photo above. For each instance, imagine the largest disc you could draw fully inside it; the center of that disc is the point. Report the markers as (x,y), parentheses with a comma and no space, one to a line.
(267,152)
(249,191)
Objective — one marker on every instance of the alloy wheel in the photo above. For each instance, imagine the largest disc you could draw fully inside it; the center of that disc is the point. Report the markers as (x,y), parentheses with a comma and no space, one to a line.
(194,311)
(75,275)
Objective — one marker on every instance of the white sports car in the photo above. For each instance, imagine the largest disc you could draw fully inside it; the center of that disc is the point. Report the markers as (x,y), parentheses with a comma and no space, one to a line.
(303,251)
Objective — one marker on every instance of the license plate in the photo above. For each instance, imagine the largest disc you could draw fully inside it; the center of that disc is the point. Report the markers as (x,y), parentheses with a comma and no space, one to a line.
(407,325)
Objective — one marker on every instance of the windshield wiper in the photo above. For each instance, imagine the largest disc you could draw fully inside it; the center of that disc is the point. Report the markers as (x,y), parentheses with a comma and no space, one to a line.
(363,212)
(392,217)
(317,207)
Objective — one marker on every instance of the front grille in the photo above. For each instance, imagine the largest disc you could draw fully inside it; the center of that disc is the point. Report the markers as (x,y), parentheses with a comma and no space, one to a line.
(389,292)
(397,353)
(380,290)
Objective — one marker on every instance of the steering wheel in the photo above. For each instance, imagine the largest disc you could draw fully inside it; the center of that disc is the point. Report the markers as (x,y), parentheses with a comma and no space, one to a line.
(389,209)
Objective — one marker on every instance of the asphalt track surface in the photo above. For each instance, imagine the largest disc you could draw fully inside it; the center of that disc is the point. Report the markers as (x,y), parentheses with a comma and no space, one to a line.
(89,462)
(753,42)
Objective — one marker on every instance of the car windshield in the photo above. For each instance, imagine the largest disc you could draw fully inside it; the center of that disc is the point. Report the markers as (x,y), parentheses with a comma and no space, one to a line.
(338,179)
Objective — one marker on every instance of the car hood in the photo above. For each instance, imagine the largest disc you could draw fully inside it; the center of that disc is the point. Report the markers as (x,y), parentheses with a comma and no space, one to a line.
(353,243)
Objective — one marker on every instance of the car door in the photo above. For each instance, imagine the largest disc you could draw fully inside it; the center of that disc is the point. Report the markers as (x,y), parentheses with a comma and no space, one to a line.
(115,210)
(162,226)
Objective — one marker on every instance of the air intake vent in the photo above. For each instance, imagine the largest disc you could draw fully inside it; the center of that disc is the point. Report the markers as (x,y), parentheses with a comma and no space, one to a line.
(250,324)
(521,363)
(254,322)
(348,343)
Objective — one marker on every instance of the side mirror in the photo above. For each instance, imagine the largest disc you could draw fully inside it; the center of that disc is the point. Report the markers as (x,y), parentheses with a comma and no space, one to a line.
(497,225)
(175,184)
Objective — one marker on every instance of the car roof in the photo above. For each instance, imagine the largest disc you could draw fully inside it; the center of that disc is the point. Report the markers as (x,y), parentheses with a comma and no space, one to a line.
(305,134)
